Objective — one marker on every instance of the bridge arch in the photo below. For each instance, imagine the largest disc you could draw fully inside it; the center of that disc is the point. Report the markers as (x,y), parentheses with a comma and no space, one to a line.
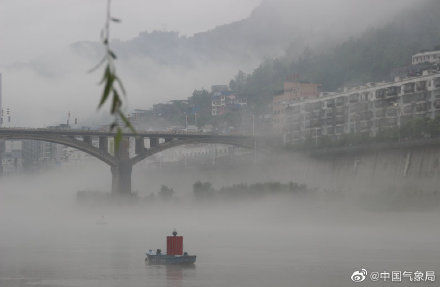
(67,141)
(179,142)
(121,164)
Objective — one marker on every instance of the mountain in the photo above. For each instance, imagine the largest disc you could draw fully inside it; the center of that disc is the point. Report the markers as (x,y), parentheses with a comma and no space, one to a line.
(271,28)
(371,56)
(159,66)
(377,52)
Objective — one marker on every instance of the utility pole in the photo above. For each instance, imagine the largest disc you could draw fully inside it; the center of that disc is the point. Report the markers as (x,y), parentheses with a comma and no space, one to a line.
(68,118)
(399,116)
(399,113)
(304,125)
(8,116)
(253,125)
(253,135)
(2,143)
(316,136)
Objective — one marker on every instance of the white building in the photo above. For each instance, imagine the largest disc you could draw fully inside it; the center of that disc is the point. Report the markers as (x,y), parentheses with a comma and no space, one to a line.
(431,57)
(365,109)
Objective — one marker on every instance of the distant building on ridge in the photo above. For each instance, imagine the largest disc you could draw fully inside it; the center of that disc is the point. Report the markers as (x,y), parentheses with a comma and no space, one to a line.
(224,100)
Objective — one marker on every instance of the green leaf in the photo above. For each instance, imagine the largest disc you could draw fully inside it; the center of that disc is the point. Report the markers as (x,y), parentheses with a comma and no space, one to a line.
(108,85)
(106,74)
(116,102)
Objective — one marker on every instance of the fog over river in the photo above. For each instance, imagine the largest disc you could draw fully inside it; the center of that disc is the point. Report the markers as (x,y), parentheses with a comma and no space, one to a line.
(48,239)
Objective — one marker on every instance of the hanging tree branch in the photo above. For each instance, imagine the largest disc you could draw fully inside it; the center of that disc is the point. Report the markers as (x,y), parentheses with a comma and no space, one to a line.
(113,87)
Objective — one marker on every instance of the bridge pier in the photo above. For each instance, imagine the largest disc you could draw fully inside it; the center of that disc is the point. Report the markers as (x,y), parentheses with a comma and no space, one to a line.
(121,179)
(121,172)
(103,144)
(139,145)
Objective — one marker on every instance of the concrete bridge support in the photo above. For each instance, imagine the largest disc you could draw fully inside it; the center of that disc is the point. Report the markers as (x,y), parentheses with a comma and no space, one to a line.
(121,178)
(103,144)
(139,145)
(121,171)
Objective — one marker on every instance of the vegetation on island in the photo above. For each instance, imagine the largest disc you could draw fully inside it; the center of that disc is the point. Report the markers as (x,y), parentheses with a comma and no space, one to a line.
(201,191)
(205,190)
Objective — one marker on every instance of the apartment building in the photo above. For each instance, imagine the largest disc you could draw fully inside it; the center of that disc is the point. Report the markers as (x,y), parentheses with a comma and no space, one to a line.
(430,57)
(293,92)
(364,109)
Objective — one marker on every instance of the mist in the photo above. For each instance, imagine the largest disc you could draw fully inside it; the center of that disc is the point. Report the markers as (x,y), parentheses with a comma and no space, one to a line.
(316,238)
(158,66)
(270,213)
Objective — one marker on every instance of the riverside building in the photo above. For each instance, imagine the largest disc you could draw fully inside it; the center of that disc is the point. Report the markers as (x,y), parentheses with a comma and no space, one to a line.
(364,109)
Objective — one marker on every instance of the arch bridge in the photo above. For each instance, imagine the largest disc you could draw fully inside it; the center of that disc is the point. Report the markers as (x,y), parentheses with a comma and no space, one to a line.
(120,162)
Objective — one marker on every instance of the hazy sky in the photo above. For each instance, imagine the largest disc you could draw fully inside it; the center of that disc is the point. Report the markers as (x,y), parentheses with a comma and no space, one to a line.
(43,81)
(29,28)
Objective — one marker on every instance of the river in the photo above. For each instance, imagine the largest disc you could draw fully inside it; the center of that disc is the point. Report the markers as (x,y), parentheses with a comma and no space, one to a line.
(47,239)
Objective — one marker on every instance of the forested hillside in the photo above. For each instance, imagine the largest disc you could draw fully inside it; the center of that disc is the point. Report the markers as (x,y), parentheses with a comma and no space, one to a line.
(370,57)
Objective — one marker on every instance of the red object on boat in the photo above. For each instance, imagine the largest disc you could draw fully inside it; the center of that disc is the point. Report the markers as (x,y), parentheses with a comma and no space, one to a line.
(174,245)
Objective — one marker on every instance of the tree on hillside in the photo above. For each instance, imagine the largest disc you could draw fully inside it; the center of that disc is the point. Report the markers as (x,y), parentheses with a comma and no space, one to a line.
(200,104)
(370,57)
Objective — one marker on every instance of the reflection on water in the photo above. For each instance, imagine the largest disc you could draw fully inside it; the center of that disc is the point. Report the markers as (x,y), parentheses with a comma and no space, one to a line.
(175,273)
(172,275)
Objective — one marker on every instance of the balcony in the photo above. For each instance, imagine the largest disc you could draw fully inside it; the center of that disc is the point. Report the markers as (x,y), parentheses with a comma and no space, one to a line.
(330,104)
(409,88)
(392,92)
(354,98)
(437,83)
(340,101)
(380,94)
(421,86)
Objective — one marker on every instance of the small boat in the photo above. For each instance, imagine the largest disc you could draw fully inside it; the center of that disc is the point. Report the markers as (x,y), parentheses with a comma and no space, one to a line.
(174,255)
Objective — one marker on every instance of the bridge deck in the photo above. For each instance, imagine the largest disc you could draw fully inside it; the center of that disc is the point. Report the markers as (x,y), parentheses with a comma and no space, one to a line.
(72,132)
